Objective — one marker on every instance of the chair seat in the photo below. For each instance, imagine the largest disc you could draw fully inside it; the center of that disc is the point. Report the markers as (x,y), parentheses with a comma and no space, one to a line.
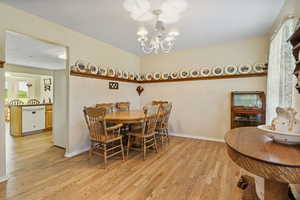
(108,138)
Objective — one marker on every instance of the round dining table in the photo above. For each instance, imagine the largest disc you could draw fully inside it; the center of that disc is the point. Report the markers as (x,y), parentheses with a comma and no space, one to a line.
(126,116)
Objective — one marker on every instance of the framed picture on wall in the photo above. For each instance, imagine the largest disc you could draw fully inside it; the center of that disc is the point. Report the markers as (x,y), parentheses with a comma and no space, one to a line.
(47,84)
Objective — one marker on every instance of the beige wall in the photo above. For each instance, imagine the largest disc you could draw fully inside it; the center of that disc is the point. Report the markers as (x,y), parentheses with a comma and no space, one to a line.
(202,108)
(237,52)
(80,47)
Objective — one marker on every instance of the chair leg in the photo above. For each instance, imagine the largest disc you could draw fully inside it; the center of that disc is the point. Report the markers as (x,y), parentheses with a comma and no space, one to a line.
(105,156)
(155,145)
(167,132)
(91,150)
(122,148)
(128,145)
(144,147)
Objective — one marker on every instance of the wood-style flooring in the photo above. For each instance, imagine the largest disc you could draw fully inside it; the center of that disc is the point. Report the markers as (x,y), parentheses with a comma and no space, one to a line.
(187,169)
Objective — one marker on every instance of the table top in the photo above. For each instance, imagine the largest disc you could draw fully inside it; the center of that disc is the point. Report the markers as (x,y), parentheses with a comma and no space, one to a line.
(125,116)
(251,142)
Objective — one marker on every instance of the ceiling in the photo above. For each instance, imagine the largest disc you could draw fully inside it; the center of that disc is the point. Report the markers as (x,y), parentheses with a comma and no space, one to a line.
(26,51)
(204,22)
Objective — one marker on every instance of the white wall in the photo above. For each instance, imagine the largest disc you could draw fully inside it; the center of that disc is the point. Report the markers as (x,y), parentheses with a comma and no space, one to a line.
(202,108)
(79,47)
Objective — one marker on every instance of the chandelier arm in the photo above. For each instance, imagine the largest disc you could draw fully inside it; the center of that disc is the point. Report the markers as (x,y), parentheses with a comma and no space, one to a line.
(147,48)
(169,47)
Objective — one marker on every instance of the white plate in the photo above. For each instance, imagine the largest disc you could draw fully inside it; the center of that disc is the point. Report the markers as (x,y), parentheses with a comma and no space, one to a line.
(230,69)
(102,71)
(119,73)
(93,68)
(218,71)
(74,68)
(111,72)
(148,76)
(258,67)
(125,75)
(131,75)
(205,71)
(174,75)
(136,76)
(157,76)
(194,73)
(82,65)
(184,74)
(245,69)
(165,76)
(288,138)
(143,77)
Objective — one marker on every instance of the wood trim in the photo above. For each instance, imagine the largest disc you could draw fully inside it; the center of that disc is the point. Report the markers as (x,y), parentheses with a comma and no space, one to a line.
(96,76)
(1,64)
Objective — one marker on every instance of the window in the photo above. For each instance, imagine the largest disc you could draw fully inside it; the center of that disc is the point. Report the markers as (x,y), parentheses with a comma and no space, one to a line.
(22,90)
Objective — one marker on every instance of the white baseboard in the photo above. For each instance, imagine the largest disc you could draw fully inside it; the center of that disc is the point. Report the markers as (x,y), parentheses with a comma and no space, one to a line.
(3,178)
(197,137)
(75,153)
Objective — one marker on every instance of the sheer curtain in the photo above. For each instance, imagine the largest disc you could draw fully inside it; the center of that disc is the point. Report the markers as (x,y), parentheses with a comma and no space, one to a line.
(281,81)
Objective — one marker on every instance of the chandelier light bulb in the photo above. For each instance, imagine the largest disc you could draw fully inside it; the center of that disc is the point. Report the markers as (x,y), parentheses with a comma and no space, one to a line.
(173,32)
(142,31)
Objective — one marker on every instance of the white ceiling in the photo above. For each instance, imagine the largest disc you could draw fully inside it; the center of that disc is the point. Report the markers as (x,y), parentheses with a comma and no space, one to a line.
(26,51)
(204,22)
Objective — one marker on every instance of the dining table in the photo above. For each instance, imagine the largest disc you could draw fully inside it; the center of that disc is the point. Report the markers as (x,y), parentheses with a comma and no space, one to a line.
(125,116)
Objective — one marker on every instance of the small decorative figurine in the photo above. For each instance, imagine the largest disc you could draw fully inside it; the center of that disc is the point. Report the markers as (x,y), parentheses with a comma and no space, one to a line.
(139,89)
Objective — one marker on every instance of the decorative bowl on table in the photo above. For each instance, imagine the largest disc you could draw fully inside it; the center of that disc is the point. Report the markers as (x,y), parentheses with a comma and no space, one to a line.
(285,128)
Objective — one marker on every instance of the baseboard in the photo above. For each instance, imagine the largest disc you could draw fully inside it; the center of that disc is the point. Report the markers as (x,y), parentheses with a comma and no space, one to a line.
(3,178)
(75,153)
(197,137)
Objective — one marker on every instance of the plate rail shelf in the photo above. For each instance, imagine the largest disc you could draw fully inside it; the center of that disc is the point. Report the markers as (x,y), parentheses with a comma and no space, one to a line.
(96,76)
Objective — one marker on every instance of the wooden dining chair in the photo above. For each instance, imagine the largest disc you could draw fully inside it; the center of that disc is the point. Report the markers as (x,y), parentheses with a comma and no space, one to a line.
(109,106)
(159,103)
(16,102)
(162,131)
(147,132)
(123,105)
(33,102)
(105,141)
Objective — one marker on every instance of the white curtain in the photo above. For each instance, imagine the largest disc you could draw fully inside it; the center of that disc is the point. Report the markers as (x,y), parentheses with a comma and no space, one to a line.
(281,81)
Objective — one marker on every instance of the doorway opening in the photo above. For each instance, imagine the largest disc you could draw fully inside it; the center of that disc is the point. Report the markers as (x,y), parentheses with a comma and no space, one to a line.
(36,96)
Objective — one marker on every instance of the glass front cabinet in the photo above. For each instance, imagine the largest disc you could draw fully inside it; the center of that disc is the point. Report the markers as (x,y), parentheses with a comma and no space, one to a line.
(248,109)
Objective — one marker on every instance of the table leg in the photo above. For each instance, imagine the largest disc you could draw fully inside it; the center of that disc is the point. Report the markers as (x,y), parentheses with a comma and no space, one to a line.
(276,190)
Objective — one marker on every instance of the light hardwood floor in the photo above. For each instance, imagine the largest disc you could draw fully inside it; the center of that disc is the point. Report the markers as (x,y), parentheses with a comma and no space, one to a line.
(187,169)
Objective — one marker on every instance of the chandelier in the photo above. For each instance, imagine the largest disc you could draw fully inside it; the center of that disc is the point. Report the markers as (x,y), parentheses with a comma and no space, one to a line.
(166,12)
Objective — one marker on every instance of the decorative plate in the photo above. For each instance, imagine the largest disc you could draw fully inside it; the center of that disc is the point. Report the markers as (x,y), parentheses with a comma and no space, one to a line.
(174,75)
(142,78)
(82,65)
(102,71)
(194,73)
(148,76)
(131,75)
(119,73)
(93,68)
(74,68)
(165,76)
(205,71)
(157,76)
(184,74)
(259,67)
(111,72)
(245,69)
(125,74)
(230,69)
(218,71)
(136,76)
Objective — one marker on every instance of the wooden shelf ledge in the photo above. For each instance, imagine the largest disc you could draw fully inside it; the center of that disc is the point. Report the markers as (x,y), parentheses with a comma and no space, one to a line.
(1,64)
(96,76)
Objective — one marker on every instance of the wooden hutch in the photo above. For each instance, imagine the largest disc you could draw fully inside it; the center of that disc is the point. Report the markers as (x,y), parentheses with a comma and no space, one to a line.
(295,41)
(248,108)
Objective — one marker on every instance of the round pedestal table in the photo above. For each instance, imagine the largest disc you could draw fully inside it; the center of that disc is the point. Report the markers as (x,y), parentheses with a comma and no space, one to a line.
(277,164)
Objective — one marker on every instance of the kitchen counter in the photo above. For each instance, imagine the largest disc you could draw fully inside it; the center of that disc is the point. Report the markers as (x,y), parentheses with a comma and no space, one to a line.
(30,119)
